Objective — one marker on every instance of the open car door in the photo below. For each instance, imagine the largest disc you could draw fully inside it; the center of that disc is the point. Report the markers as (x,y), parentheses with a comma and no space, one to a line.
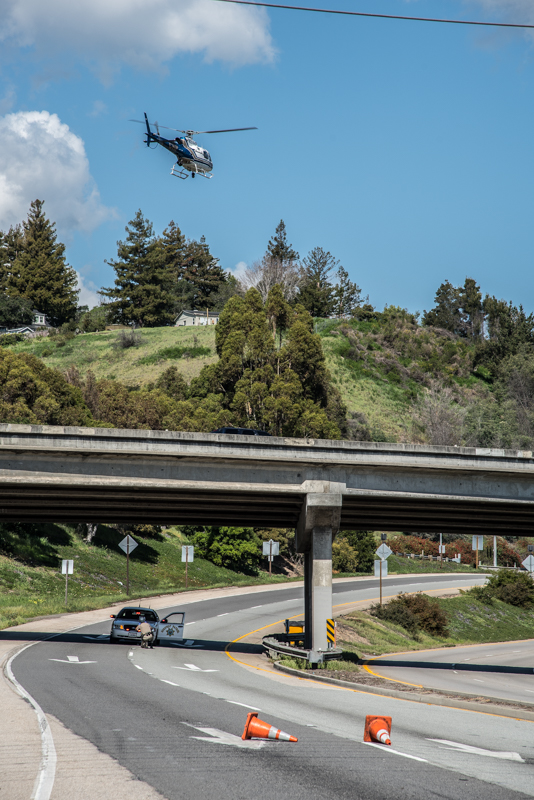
(171,627)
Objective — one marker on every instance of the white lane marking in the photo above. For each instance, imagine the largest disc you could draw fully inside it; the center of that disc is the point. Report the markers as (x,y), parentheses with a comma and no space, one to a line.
(71,660)
(44,782)
(245,705)
(388,749)
(190,623)
(215,736)
(479,751)
(194,668)
(478,680)
(169,682)
(137,666)
(252,608)
(223,615)
(529,690)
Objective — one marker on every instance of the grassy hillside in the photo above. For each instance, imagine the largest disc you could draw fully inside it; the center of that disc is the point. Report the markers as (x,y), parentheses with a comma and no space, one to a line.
(31,584)
(379,366)
(133,366)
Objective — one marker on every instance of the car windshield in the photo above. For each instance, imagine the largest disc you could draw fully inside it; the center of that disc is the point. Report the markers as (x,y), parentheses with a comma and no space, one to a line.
(135,613)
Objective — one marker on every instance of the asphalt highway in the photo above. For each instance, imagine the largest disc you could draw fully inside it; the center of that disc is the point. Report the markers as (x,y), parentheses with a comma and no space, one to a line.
(173,716)
(504,671)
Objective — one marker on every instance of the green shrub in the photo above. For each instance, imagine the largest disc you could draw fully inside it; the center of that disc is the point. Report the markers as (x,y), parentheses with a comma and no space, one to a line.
(515,588)
(344,557)
(398,613)
(414,612)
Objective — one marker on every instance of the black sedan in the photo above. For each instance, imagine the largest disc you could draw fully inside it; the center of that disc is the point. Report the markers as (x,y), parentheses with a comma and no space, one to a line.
(124,625)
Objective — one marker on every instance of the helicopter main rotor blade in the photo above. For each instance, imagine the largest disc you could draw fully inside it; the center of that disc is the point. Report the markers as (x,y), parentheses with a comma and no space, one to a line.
(155,124)
(229,130)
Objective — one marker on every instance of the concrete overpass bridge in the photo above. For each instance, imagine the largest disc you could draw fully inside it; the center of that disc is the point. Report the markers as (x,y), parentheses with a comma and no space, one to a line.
(315,486)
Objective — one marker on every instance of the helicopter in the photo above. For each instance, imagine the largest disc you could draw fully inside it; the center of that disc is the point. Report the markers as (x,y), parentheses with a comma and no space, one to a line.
(191,158)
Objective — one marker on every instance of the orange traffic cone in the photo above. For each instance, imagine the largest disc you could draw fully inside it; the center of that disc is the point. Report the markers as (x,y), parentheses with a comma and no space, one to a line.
(262,730)
(377,729)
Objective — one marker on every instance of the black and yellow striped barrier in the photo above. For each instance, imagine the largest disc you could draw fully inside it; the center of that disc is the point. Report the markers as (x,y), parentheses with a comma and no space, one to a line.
(331,631)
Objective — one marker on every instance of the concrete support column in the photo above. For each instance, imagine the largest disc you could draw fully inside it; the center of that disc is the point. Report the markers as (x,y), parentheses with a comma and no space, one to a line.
(321,584)
(318,524)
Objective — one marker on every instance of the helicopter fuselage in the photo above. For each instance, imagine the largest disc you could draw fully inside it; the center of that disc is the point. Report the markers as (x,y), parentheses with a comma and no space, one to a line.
(189,154)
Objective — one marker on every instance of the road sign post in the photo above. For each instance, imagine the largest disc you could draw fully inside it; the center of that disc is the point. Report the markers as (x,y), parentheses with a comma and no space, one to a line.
(476,545)
(383,553)
(188,554)
(271,549)
(67,568)
(128,544)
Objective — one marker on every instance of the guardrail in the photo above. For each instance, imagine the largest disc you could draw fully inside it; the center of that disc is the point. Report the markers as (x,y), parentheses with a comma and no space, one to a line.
(278,644)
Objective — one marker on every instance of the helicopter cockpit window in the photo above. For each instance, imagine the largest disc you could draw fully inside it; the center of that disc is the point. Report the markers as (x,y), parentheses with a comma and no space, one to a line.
(206,154)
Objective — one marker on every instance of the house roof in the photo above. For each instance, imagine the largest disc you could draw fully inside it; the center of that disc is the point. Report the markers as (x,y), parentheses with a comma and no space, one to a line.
(196,311)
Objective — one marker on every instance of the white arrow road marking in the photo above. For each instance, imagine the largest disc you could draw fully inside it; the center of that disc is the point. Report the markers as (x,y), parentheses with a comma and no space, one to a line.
(71,660)
(193,668)
(388,749)
(479,751)
(216,736)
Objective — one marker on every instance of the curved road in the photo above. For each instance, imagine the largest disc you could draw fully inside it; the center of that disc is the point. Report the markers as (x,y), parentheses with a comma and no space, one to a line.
(173,716)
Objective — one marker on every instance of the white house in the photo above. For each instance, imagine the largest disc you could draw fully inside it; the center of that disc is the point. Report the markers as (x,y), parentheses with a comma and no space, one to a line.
(196,317)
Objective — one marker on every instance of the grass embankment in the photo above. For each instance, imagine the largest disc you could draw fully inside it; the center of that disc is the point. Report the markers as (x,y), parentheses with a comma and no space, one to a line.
(470,622)
(99,577)
(405,566)
(187,348)
(381,366)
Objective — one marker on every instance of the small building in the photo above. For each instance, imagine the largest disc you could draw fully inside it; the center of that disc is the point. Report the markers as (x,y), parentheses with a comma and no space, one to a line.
(196,317)
(39,320)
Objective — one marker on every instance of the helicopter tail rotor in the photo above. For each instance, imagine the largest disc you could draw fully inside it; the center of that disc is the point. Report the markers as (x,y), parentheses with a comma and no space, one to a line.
(148,131)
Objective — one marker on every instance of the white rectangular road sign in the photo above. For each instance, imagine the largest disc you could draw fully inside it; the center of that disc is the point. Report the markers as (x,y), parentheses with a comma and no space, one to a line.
(384,551)
(267,548)
(441,549)
(528,563)
(384,568)
(67,567)
(477,543)
(188,553)
(128,544)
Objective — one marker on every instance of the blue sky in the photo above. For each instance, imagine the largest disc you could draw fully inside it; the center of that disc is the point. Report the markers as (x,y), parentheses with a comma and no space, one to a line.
(404,148)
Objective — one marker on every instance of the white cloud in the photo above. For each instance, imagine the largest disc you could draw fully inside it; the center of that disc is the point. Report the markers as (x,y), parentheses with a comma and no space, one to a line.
(40,158)
(144,34)
(239,270)
(88,292)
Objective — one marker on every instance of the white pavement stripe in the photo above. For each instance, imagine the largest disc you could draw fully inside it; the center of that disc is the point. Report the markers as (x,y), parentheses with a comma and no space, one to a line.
(223,615)
(388,749)
(245,705)
(479,751)
(169,682)
(137,666)
(44,782)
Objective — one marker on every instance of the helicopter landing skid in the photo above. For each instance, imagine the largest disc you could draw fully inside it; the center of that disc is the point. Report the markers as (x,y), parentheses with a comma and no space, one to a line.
(180,173)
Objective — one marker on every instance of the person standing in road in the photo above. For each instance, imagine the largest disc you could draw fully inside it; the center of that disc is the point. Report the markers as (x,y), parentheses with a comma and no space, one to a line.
(147,636)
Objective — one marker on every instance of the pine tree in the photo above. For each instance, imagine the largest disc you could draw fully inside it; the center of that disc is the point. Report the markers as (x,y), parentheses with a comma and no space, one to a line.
(142,294)
(39,271)
(278,247)
(174,248)
(346,294)
(447,312)
(203,273)
(471,303)
(10,247)
(316,291)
